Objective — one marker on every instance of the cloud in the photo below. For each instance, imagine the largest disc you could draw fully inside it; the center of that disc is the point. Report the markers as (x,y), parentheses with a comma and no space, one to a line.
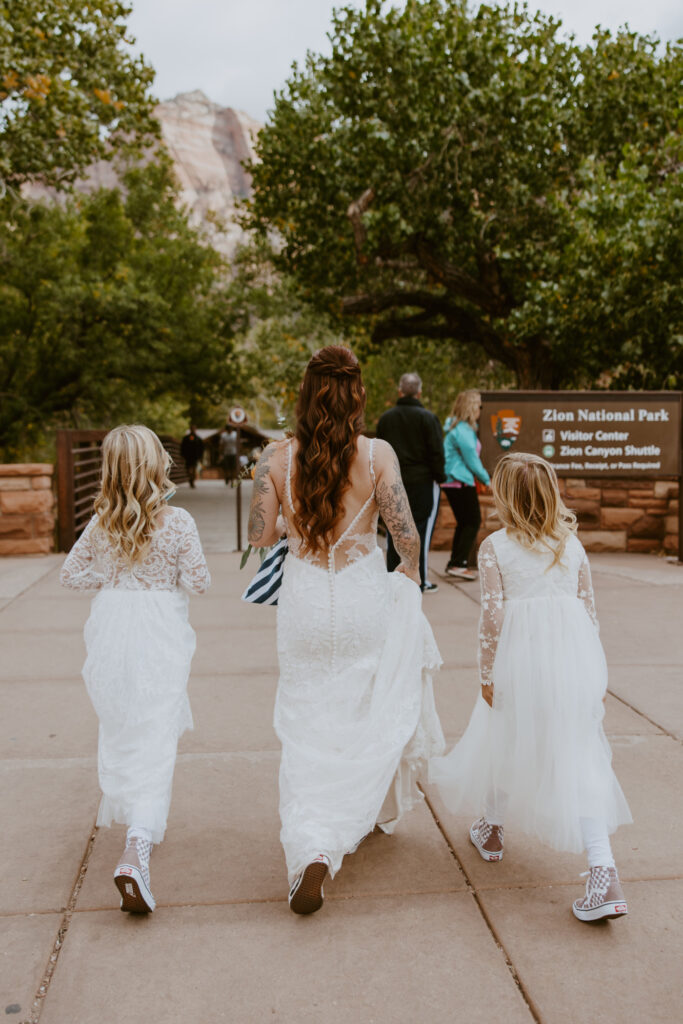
(239,51)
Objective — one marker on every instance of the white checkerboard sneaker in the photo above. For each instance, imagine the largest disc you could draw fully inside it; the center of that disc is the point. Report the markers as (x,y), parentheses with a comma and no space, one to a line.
(604,896)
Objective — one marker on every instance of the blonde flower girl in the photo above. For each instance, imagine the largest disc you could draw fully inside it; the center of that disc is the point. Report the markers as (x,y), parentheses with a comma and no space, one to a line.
(534,754)
(143,556)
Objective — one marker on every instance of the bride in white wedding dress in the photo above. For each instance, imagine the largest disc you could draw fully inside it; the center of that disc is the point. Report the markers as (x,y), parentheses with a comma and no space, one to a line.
(355,709)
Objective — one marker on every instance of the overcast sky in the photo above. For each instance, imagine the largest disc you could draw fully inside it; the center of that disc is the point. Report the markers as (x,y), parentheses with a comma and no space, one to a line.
(239,51)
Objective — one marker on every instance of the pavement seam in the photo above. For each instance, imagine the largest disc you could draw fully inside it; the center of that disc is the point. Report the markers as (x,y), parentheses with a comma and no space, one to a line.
(26,590)
(282,900)
(519,984)
(41,579)
(341,897)
(647,718)
(51,966)
(471,595)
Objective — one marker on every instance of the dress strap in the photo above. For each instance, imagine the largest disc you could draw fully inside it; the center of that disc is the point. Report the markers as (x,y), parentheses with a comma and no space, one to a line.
(372,463)
(288,482)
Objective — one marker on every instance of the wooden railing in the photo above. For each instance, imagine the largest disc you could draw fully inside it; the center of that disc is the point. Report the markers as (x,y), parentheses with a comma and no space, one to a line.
(79,462)
(78,475)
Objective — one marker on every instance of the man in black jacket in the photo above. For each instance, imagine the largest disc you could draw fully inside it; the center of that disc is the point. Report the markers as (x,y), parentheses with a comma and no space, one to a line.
(415,435)
(192,449)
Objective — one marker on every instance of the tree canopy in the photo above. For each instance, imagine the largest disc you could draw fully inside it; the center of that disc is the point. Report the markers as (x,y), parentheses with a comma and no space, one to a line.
(71,89)
(476,176)
(108,302)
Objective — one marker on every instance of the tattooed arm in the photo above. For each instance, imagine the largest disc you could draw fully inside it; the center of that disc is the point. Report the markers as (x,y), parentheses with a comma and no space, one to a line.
(264,528)
(395,510)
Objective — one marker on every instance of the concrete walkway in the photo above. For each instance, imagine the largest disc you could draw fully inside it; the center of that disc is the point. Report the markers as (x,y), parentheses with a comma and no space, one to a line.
(416,929)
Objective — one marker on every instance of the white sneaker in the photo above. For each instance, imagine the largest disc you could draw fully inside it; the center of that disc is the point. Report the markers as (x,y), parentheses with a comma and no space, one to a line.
(131,877)
(306,895)
(460,573)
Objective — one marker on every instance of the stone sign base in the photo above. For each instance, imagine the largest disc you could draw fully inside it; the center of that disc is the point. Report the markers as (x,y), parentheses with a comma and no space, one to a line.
(614,515)
(27,519)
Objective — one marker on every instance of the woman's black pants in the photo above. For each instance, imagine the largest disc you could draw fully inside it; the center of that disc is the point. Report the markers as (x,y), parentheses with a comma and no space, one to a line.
(465,504)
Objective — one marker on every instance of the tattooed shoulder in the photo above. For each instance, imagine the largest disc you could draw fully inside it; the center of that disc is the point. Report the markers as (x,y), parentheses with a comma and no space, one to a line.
(262,489)
(263,468)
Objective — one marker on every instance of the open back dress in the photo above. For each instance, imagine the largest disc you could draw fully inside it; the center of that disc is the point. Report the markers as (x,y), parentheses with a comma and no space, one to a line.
(355,708)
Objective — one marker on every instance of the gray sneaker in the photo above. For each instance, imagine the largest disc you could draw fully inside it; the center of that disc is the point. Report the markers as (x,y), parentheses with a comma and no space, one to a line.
(604,896)
(132,877)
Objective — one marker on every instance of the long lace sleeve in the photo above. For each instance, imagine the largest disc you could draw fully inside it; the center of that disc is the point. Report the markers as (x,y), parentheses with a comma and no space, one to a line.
(492,610)
(585,591)
(81,570)
(193,572)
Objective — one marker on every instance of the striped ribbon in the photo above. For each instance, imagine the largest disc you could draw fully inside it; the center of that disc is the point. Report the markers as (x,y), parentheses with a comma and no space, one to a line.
(265,586)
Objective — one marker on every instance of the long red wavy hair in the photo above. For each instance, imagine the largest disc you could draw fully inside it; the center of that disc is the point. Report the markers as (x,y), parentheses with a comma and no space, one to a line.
(329,419)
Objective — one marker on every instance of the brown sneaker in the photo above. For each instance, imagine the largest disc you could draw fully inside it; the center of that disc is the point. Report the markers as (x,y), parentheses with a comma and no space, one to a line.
(132,877)
(306,895)
(488,839)
(604,896)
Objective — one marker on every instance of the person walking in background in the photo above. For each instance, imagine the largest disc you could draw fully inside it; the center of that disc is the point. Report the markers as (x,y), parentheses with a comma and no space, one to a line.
(355,708)
(415,435)
(463,469)
(144,557)
(227,452)
(534,753)
(192,449)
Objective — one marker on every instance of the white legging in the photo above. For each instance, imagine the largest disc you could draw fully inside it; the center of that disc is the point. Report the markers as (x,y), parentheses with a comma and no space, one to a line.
(593,832)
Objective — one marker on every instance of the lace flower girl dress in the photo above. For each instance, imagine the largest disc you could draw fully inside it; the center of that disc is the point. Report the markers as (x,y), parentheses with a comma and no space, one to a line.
(355,708)
(139,648)
(539,757)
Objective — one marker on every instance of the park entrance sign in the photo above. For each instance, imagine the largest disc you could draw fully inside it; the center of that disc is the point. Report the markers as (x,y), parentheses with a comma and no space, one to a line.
(635,434)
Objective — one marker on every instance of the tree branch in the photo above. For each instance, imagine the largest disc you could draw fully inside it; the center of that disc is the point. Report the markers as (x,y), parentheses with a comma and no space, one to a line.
(355,305)
(355,214)
(438,318)
(458,282)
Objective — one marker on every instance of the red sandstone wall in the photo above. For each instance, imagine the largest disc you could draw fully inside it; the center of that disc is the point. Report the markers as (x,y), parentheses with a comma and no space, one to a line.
(26,509)
(614,515)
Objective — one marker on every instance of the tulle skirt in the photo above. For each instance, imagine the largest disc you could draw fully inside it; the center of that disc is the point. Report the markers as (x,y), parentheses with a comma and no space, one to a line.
(139,649)
(539,758)
(355,708)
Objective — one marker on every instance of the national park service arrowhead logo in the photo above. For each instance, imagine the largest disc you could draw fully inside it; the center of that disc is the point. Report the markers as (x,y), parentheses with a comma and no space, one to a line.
(506,425)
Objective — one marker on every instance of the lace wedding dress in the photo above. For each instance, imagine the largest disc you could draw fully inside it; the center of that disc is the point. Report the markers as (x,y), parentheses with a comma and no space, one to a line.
(539,757)
(355,709)
(139,648)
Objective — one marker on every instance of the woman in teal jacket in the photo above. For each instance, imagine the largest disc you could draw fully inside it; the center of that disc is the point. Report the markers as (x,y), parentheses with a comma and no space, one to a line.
(463,467)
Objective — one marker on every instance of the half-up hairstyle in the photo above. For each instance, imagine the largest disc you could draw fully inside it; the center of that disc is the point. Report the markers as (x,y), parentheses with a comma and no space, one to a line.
(133,489)
(329,419)
(528,501)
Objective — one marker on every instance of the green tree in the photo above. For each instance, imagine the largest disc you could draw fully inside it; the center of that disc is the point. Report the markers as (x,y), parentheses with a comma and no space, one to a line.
(276,332)
(71,90)
(617,289)
(430,177)
(108,303)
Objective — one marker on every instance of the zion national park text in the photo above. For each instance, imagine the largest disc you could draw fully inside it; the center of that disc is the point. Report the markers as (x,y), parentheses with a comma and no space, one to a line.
(632,415)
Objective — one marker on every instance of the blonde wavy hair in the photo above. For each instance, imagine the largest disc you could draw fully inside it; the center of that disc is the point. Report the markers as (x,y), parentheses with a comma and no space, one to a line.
(464,408)
(133,489)
(528,501)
